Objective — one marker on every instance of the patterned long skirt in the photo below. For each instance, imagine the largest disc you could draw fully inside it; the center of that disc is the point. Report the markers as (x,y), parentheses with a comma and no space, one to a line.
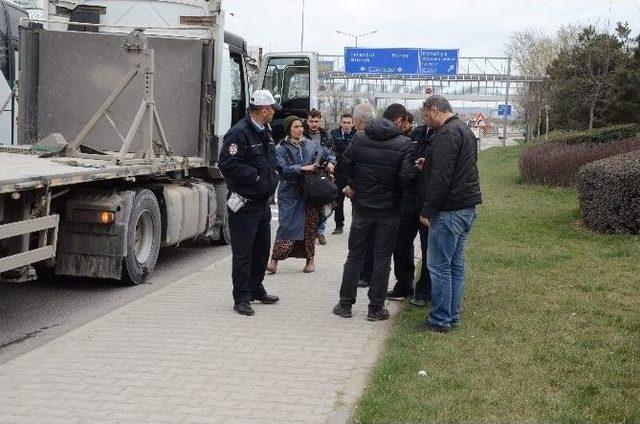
(305,249)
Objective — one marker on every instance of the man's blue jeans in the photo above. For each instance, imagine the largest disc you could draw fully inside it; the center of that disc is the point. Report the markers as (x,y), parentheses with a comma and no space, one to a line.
(448,233)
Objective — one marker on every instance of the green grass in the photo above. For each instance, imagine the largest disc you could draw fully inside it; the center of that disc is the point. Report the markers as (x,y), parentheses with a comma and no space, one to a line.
(550,325)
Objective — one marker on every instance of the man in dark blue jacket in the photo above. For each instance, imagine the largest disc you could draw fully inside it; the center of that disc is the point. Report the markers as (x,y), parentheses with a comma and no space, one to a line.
(248,163)
(341,138)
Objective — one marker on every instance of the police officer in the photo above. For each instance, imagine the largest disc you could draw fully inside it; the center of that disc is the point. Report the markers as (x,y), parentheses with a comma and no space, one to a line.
(248,163)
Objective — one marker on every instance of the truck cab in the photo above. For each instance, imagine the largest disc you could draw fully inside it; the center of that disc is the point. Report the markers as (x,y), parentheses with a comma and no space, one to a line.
(293,80)
(10,15)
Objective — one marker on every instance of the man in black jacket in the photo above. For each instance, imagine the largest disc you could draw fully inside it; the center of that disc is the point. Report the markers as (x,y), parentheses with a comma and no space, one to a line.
(451,193)
(403,254)
(341,139)
(376,165)
(248,163)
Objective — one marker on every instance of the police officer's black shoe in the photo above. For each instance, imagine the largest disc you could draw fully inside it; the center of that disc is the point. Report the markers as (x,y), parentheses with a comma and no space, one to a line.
(267,299)
(338,230)
(343,310)
(377,314)
(244,308)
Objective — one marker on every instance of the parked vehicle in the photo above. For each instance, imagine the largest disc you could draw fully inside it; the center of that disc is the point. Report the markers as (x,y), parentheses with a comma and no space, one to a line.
(121,112)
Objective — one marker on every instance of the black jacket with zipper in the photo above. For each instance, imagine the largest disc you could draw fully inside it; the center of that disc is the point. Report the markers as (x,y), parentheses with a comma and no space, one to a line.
(378,164)
(450,180)
(248,161)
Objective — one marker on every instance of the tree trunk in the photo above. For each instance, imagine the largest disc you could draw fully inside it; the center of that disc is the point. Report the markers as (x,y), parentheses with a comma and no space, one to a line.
(592,109)
(539,122)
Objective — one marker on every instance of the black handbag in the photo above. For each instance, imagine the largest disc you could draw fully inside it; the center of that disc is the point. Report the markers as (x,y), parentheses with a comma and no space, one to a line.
(318,186)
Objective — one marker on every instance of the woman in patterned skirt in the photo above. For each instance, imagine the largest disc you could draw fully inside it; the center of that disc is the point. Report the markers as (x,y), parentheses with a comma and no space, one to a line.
(298,219)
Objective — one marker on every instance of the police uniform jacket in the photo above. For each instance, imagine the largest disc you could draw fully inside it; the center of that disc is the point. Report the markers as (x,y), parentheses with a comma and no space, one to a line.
(248,160)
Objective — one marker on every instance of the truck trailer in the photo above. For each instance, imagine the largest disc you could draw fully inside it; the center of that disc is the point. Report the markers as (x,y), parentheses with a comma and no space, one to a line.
(119,128)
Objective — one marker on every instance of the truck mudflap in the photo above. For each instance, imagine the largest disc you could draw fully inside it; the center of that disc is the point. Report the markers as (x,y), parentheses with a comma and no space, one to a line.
(89,249)
(47,229)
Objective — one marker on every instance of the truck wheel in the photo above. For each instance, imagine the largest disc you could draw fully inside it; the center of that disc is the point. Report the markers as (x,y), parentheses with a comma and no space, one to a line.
(143,238)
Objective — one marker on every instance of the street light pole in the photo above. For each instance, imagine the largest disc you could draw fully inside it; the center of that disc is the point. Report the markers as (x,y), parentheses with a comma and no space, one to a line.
(356,36)
(302,32)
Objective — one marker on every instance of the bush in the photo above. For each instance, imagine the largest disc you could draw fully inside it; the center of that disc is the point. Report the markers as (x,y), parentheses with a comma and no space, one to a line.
(600,135)
(609,194)
(557,164)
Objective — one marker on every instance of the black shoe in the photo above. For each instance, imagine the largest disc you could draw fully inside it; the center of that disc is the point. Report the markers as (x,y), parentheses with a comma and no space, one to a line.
(394,295)
(363,283)
(338,230)
(322,239)
(420,303)
(343,311)
(244,308)
(267,299)
(377,314)
(427,326)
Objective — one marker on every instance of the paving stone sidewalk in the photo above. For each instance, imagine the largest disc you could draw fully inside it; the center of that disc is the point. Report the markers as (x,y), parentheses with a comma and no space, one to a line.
(181,355)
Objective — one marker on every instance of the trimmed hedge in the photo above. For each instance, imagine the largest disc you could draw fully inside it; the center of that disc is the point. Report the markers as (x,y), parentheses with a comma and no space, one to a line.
(609,193)
(557,164)
(599,135)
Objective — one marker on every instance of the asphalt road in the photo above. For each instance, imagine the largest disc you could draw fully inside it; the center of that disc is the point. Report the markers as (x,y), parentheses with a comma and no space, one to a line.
(34,313)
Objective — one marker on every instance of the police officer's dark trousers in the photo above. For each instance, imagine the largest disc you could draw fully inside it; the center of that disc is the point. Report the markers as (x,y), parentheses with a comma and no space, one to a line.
(250,245)
(366,228)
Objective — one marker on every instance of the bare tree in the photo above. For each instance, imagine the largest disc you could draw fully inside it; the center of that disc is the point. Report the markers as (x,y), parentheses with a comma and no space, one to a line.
(532,52)
(333,103)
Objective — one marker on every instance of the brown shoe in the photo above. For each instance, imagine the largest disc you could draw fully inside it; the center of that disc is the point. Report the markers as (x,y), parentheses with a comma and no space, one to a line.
(272,267)
(310,267)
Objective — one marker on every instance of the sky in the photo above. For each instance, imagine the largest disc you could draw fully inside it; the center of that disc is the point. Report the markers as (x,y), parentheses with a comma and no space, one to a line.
(476,27)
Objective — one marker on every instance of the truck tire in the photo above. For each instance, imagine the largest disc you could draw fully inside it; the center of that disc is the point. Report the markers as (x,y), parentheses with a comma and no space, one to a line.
(143,238)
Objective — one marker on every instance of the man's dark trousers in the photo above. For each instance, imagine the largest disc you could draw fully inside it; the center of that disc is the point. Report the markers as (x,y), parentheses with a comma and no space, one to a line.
(403,255)
(339,209)
(250,245)
(382,228)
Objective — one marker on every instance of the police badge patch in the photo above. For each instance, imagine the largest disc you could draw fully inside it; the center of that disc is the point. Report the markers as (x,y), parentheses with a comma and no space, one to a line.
(233,149)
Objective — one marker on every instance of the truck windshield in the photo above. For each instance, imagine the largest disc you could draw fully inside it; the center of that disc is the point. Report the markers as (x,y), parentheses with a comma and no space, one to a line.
(288,77)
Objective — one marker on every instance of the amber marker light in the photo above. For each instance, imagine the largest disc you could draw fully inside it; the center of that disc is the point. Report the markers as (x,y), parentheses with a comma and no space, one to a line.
(94,216)
(107,217)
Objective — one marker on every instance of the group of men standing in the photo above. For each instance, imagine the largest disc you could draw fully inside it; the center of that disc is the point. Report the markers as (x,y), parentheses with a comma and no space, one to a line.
(402,181)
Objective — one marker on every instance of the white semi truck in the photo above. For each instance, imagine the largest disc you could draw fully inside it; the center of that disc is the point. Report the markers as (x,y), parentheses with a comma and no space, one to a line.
(122,106)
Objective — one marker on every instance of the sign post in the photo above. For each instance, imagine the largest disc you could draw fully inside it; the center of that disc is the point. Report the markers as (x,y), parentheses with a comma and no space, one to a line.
(502,109)
(506,102)
(401,61)
(381,61)
(438,62)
